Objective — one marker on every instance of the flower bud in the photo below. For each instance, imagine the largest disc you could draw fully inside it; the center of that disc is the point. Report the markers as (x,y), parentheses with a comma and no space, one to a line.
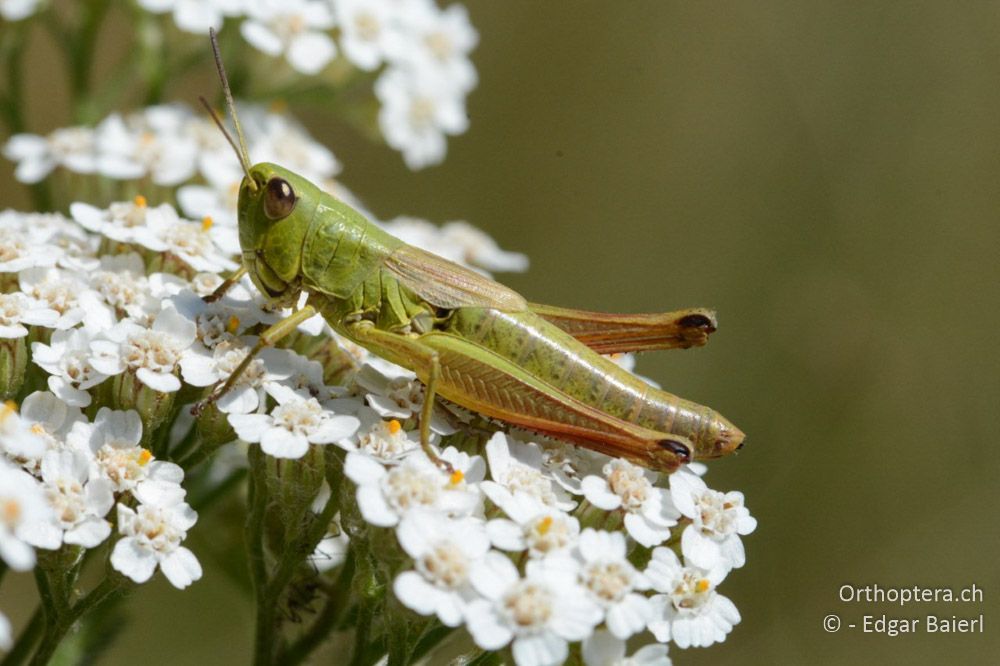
(127,392)
(213,428)
(293,484)
(13,360)
(337,363)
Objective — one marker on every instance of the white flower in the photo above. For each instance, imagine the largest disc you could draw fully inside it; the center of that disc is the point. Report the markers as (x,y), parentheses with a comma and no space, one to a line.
(476,248)
(19,440)
(519,467)
(613,582)
(194,16)
(540,612)
(367,31)
(24,515)
(150,143)
(440,40)
(71,147)
(5,637)
(395,393)
(79,501)
(152,536)
(385,495)
(121,281)
(717,521)
(295,423)
(113,441)
(206,367)
(298,374)
(154,354)
(443,553)
(67,293)
(192,242)
(540,529)
(15,10)
(418,109)
(67,359)
(384,440)
(20,249)
(279,139)
(50,420)
(223,320)
(218,203)
(293,27)
(649,514)
(690,612)
(603,649)
(127,222)
(16,310)
(331,551)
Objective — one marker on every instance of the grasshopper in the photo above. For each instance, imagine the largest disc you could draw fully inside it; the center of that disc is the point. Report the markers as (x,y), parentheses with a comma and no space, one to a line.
(469,339)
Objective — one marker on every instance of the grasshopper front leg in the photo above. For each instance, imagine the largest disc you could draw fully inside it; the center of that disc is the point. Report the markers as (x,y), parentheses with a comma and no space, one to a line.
(226,285)
(272,335)
(417,355)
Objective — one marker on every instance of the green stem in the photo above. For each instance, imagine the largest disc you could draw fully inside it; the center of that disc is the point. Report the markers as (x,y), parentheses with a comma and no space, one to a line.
(52,605)
(12,54)
(81,60)
(328,618)
(294,555)
(152,57)
(485,659)
(435,636)
(362,632)
(26,641)
(257,499)
(12,43)
(56,627)
(183,448)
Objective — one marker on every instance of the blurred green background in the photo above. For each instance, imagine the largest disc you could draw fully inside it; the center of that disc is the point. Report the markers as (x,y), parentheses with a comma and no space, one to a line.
(825,175)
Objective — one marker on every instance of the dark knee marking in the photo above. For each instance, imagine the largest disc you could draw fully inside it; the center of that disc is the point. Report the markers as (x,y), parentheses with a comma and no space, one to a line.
(675,447)
(697,321)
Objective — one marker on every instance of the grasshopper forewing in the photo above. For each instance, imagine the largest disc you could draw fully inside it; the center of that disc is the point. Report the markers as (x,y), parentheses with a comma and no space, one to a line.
(469,339)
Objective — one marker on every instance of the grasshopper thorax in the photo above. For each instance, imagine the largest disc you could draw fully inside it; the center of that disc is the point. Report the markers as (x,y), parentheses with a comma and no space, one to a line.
(276,207)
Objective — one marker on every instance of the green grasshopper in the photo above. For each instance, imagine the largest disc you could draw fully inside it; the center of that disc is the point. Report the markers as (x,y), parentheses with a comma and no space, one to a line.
(469,339)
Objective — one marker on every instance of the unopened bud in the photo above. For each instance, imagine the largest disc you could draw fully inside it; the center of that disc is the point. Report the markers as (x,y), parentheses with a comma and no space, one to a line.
(293,483)
(127,392)
(13,360)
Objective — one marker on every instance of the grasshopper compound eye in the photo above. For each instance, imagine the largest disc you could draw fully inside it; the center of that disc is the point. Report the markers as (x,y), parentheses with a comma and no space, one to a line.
(279,199)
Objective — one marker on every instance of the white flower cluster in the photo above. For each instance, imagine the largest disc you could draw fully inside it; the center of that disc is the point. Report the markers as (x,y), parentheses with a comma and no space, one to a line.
(140,312)
(425,51)
(172,146)
(60,476)
(570,519)
(506,556)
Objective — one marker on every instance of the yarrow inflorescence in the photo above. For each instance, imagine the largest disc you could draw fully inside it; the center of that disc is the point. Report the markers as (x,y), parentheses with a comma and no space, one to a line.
(106,342)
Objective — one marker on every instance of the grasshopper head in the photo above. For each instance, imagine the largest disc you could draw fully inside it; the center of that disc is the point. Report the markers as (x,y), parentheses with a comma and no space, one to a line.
(276,207)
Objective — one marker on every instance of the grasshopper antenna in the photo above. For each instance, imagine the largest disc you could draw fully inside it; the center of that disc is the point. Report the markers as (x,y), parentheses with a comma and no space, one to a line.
(241,152)
(229,137)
